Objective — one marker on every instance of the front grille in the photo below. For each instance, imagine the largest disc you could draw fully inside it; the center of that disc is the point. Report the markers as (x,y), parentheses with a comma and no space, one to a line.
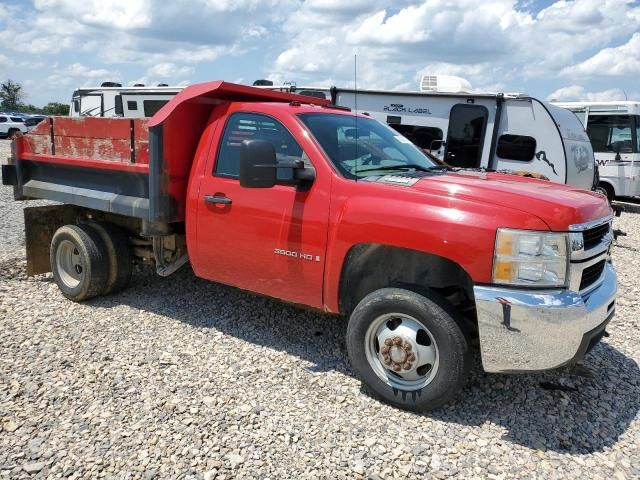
(594,236)
(591,274)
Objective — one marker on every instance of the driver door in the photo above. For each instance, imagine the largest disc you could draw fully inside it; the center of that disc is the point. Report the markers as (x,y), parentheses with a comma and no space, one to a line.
(267,240)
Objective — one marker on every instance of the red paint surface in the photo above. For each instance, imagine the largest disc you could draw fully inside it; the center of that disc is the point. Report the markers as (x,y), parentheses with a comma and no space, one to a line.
(454,215)
(90,141)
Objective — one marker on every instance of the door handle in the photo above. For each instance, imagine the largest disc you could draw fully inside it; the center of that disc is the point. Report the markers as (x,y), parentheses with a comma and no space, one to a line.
(220,199)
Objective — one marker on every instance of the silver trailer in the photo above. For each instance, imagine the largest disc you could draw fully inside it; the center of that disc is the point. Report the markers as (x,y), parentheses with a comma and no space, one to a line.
(495,131)
(113,100)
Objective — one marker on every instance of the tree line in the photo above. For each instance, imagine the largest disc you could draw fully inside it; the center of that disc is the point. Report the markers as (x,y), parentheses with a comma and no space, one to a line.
(12,100)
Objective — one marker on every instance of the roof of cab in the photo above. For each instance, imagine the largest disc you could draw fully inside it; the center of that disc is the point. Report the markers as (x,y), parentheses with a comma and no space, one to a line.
(220,91)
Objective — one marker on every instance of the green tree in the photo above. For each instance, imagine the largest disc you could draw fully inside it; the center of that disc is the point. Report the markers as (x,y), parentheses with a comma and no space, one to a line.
(55,108)
(28,108)
(11,95)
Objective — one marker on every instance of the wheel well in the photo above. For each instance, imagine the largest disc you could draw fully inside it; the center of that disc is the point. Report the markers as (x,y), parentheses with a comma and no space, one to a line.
(608,188)
(369,267)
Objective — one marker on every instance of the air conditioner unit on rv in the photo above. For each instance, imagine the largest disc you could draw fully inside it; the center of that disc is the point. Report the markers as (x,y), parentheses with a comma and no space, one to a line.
(444,83)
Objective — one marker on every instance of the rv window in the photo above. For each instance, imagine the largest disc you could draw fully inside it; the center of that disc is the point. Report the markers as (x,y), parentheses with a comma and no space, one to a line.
(637,119)
(516,147)
(118,109)
(132,105)
(610,133)
(152,106)
(252,126)
(422,137)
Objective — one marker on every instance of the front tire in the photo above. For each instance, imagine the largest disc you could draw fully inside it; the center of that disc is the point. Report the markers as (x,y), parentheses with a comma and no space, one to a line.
(408,349)
(79,262)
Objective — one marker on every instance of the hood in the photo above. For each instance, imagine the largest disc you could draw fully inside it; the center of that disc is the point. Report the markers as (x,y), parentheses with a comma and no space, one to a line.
(556,204)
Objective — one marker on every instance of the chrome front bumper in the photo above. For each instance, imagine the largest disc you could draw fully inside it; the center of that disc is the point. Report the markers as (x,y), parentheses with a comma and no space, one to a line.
(532,330)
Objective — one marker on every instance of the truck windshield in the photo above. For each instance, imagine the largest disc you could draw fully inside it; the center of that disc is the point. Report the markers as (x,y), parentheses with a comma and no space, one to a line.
(364,147)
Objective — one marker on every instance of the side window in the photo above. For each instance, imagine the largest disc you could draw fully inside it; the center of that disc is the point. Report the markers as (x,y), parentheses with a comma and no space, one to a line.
(516,147)
(637,119)
(252,126)
(610,133)
(132,105)
(152,106)
(3,119)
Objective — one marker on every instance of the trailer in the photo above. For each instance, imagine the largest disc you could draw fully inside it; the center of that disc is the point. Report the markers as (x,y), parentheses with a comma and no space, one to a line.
(113,100)
(614,131)
(495,131)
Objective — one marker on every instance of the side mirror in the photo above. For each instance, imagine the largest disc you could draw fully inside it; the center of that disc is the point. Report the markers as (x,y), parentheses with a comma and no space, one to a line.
(257,164)
(436,145)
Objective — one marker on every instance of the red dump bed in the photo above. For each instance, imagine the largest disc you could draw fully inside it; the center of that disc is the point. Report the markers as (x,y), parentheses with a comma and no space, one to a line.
(112,143)
(133,167)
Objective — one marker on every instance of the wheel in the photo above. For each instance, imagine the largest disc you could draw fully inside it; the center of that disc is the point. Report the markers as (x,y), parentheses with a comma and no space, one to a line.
(408,349)
(79,262)
(118,255)
(607,190)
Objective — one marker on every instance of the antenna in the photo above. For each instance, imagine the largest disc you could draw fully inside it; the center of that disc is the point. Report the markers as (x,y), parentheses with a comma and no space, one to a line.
(355,105)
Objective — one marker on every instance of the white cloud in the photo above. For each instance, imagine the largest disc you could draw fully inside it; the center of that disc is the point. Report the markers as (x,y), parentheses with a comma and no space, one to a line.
(491,43)
(169,70)
(621,60)
(495,44)
(578,93)
(115,14)
(80,75)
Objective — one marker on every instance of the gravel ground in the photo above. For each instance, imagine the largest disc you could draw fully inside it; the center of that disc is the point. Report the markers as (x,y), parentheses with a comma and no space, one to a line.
(180,378)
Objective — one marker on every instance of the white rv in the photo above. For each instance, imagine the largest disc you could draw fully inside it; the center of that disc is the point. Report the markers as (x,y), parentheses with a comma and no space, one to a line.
(614,130)
(113,100)
(496,131)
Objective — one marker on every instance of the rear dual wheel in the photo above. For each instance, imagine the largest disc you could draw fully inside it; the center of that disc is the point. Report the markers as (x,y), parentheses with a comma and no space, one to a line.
(89,260)
(408,348)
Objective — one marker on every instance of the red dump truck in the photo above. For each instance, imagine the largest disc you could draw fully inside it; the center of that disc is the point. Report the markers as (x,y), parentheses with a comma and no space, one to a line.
(294,198)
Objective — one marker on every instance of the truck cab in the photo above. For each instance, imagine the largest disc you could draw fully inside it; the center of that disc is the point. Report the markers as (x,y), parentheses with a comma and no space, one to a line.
(315,205)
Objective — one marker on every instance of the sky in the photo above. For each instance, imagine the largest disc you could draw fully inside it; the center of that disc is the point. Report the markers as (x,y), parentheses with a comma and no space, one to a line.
(563,50)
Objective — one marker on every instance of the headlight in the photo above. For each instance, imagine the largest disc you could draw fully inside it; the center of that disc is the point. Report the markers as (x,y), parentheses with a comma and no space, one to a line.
(530,258)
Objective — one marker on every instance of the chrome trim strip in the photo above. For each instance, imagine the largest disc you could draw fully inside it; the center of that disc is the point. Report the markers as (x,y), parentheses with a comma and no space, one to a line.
(581,227)
(576,243)
(576,270)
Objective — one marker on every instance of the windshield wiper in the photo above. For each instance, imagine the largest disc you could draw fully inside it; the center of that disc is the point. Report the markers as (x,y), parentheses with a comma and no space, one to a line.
(409,166)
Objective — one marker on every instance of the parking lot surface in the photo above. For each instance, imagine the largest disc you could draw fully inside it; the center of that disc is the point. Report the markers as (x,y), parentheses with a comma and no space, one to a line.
(181,378)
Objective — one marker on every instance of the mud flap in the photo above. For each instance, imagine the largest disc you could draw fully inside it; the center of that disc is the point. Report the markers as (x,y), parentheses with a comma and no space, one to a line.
(40,223)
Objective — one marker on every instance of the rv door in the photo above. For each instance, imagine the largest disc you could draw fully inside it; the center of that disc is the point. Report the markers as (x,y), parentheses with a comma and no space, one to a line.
(465,137)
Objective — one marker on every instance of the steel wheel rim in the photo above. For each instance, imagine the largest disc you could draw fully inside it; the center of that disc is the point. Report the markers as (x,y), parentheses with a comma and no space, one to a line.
(413,349)
(70,265)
